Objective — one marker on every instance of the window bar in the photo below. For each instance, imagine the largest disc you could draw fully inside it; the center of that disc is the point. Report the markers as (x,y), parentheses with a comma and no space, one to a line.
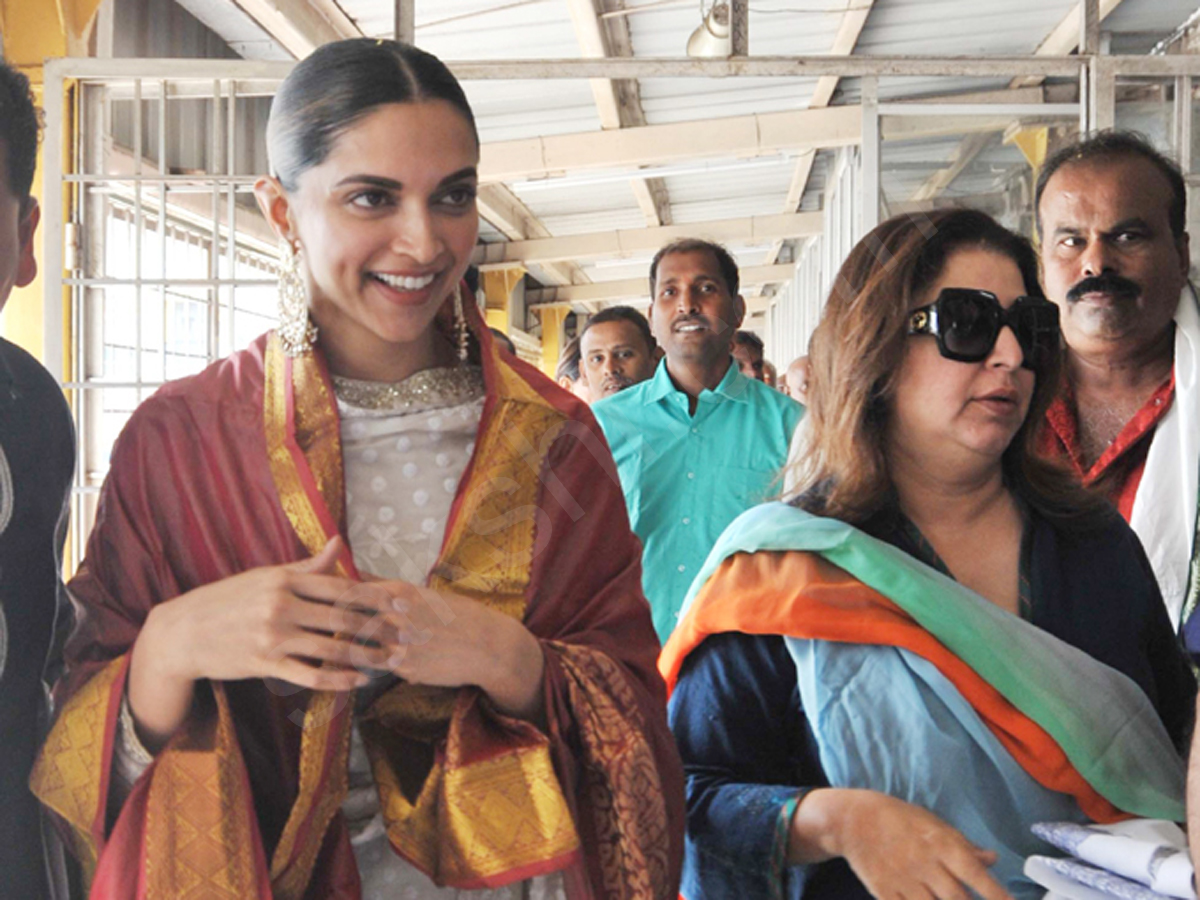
(138,224)
(167,282)
(231,216)
(162,218)
(1183,123)
(214,250)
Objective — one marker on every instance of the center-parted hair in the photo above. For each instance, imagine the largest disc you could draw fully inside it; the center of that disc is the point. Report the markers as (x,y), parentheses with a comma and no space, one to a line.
(855,356)
(340,83)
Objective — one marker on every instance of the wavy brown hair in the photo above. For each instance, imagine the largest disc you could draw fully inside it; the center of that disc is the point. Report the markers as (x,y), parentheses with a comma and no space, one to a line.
(855,355)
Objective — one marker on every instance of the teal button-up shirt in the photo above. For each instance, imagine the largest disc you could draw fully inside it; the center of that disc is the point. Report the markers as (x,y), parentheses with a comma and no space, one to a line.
(686,477)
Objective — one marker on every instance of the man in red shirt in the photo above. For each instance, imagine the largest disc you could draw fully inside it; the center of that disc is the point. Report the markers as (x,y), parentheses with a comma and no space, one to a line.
(1111,213)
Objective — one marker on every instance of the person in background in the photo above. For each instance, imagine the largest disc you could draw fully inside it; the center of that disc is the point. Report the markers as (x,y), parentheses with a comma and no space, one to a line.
(503,340)
(37,458)
(770,374)
(943,639)
(1115,256)
(568,373)
(798,375)
(364,595)
(699,442)
(616,351)
(748,353)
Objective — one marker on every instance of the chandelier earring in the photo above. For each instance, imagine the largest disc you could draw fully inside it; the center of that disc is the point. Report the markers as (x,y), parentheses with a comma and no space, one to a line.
(296,332)
(462,334)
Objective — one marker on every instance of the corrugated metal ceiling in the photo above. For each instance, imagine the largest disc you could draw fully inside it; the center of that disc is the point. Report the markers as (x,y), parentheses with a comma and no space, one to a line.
(543,29)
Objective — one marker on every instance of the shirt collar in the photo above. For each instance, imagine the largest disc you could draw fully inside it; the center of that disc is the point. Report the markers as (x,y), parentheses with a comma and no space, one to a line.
(732,387)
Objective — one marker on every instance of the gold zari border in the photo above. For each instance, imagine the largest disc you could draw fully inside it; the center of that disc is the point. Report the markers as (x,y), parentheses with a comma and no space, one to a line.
(68,774)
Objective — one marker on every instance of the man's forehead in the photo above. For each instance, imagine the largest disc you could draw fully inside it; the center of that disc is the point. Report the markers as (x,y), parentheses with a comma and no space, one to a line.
(689,263)
(616,331)
(1123,187)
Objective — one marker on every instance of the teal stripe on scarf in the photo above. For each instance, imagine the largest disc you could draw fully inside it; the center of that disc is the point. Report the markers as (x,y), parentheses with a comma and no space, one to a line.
(1101,719)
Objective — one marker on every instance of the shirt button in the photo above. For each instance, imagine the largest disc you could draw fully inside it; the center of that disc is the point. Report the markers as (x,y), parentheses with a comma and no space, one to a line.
(695,431)
(683,568)
(687,520)
(691,474)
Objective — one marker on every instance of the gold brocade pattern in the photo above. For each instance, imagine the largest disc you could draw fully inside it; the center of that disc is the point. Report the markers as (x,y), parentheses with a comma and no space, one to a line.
(318,437)
(475,775)
(323,780)
(198,843)
(474,819)
(68,771)
(619,777)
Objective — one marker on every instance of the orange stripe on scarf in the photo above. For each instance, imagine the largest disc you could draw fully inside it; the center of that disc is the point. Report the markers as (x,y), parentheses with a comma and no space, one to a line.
(801,595)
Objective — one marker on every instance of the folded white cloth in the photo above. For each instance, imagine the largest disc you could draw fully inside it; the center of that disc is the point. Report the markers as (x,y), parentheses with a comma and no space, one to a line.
(1150,852)
(1079,881)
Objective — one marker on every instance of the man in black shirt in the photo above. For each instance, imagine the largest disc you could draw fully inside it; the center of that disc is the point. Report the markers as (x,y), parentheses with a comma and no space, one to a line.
(37,453)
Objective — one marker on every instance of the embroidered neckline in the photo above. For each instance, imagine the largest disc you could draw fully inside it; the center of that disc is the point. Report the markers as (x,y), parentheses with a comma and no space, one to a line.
(427,389)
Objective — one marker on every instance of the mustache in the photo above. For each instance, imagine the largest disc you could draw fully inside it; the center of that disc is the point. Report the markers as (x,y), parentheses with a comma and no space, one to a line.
(1106,283)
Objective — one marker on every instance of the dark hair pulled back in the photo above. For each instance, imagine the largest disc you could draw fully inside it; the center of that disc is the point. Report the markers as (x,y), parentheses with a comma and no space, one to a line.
(340,83)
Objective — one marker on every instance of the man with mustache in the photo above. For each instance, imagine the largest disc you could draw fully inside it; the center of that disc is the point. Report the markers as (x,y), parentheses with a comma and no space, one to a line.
(1111,212)
(699,443)
(617,351)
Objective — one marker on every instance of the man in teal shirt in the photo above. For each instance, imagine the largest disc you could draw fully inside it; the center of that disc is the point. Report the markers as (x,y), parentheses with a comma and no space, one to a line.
(699,443)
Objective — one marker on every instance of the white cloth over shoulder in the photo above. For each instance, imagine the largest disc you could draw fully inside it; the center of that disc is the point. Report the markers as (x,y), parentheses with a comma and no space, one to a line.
(1164,509)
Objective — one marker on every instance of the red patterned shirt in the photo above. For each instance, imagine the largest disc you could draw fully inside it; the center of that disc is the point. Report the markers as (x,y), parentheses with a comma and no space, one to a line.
(1124,459)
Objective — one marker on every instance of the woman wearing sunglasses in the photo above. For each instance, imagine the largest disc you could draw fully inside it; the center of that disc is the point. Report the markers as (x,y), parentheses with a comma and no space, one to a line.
(880,686)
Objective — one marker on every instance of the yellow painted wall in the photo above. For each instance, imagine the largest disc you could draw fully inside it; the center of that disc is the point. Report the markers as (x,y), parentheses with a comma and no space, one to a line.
(34,31)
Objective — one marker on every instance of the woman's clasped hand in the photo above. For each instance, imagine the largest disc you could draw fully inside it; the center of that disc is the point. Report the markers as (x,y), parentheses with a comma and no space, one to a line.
(304,624)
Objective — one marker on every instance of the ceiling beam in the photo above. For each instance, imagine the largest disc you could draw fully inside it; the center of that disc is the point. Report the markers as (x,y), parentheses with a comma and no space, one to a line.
(754,67)
(964,155)
(769,67)
(633,241)
(853,22)
(740,136)
(1062,39)
(743,137)
(637,290)
(512,218)
(300,26)
(618,102)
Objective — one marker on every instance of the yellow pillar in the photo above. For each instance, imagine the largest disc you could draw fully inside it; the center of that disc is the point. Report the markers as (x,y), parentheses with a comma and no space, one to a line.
(552,335)
(498,286)
(34,31)
(1032,141)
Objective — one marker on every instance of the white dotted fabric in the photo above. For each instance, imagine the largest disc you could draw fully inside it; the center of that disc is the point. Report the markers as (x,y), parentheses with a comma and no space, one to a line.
(402,472)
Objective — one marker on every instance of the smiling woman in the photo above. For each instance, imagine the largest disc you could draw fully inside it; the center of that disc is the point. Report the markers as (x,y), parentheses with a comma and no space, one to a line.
(328,579)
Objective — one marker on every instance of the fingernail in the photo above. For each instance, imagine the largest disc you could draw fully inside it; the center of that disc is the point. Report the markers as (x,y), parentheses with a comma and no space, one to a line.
(399,604)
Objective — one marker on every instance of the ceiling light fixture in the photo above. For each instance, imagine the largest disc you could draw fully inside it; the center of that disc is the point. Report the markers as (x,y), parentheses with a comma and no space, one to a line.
(712,39)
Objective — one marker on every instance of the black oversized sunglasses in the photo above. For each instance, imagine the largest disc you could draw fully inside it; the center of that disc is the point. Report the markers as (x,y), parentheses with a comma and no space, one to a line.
(967,322)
